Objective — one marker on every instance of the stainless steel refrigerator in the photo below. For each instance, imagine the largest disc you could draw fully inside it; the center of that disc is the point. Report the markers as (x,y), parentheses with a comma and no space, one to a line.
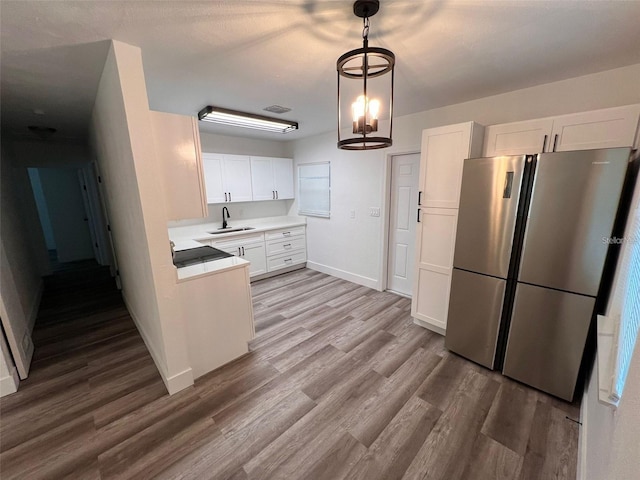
(530,250)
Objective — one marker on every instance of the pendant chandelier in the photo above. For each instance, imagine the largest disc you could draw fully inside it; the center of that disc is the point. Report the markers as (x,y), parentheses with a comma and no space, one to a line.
(365,84)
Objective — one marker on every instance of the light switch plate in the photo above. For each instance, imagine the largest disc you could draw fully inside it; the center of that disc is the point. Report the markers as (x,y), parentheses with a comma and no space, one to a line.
(352,214)
(375,211)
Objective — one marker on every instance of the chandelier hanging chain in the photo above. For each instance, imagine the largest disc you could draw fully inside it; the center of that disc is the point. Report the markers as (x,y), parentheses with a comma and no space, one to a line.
(365,28)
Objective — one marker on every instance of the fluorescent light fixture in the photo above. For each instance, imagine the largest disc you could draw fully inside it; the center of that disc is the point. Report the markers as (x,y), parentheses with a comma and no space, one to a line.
(233,118)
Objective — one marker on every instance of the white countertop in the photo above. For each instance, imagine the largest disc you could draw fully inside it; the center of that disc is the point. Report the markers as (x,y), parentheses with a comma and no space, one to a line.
(185,235)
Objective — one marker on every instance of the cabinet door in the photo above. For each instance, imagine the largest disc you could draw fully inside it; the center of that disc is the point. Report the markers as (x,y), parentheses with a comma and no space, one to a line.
(255,253)
(213,173)
(518,138)
(237,178)
(443,152)
(608,128)
(283,178)
(179,153)
(262,178)
(434,264)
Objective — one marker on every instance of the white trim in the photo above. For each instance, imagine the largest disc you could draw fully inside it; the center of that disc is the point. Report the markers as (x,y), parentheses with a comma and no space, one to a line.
(9,384)
(429,326)
(351,277)
(176,382)
(386,207)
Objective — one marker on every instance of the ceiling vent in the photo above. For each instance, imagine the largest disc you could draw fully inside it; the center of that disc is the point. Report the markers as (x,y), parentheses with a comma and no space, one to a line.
(43,132)
(277,109)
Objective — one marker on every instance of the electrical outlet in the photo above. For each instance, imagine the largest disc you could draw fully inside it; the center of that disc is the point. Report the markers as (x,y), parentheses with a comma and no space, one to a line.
(352,214)
(375,211)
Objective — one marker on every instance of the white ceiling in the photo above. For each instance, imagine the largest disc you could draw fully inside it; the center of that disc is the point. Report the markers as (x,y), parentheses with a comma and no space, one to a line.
(249,54)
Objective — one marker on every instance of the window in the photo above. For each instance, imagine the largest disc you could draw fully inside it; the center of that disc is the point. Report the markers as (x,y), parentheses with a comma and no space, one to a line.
(617,339)
(314,189)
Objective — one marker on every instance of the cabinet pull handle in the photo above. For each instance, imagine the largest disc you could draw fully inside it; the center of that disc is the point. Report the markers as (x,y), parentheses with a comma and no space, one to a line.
(277,195)
(229,196)
(420,198)
(286,234)
(418,215)
(288,260)
(555,142)
(286,245)
(225,196)
(243,251)
(544,143)
(239,254)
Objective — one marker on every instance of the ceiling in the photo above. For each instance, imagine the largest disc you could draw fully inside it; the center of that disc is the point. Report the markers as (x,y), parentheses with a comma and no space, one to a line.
(249,54)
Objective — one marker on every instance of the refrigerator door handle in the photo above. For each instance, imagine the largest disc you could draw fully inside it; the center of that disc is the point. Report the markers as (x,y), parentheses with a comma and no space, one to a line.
(508,185)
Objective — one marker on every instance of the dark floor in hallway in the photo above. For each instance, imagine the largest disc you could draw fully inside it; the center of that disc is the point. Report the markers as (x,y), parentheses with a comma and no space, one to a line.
(339,384)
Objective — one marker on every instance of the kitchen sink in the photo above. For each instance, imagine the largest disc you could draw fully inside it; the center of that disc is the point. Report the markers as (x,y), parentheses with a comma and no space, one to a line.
(230,230)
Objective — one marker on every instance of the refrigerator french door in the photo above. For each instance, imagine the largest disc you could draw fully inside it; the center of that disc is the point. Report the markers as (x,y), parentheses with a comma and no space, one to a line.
(572,211)
(489,211)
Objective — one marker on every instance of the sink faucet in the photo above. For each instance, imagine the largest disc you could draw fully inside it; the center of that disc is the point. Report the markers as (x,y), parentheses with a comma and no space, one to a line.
(224,220)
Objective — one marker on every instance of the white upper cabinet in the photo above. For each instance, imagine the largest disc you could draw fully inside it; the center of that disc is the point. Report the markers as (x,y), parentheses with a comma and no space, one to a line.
(518,138)
(283,178)
(228,178)
(237,178)
(443,152)
(178,149)
(272,178)
(607,128)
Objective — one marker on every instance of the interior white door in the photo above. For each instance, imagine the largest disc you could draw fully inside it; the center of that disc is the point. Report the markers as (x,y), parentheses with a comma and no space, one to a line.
(405,174)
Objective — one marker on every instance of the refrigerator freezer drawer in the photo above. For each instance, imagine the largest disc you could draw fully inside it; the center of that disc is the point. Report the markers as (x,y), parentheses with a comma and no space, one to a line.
(475,309)
(547,338)
(573,207)
(487,215)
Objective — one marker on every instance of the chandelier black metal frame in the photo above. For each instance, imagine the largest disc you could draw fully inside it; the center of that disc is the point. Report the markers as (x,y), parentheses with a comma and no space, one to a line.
(361,65)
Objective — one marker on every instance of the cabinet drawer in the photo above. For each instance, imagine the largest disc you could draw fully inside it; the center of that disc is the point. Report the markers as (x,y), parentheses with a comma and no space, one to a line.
(284,233)
(238,240)
(277,247)
(284,261)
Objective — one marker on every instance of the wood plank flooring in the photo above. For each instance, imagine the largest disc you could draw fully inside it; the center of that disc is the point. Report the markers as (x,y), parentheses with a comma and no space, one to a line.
(340,384)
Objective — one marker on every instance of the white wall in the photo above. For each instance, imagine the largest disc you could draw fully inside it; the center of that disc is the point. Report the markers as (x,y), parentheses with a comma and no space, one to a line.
(22,262)
(41,204)
(127,160)
(353,249)
(239,211)
(67,214)
(215,143)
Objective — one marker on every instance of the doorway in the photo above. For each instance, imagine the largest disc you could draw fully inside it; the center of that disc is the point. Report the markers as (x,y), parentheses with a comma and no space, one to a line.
(405,171)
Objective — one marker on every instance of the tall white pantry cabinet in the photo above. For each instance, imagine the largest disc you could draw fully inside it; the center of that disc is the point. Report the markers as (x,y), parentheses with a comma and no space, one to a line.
(442,154)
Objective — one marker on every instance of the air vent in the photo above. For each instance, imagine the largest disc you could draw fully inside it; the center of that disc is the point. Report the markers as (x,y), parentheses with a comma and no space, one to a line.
(277,109)
(42,132)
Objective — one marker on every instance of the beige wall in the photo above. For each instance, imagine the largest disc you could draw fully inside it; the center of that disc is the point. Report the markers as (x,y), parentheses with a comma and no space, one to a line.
(127,160)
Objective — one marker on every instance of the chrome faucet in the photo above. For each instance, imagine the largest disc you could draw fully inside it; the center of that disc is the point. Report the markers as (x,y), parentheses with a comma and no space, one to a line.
(224,220)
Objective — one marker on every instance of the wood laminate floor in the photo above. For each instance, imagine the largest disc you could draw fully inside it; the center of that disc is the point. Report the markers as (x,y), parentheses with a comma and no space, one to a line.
(339,385)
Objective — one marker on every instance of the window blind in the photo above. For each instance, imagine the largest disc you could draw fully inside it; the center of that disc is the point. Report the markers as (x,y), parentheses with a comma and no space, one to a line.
(314,189)
(623,314)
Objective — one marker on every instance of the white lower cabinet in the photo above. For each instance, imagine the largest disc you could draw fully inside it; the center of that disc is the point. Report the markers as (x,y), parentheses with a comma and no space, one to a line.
(286,248)
(249,247)
(267,252)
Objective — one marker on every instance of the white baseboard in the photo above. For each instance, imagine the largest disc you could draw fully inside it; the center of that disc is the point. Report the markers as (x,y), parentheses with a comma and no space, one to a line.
(344,275)
(176,382)
(9,384)
(429,326)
